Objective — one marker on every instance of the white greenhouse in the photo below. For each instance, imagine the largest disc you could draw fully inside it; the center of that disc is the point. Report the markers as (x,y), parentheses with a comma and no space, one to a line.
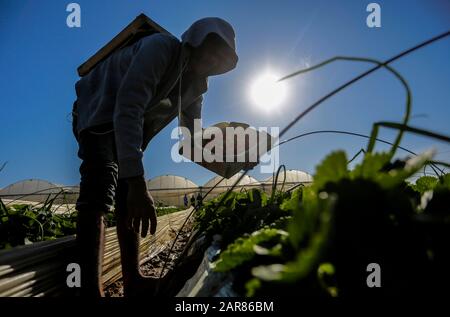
(169,190)
(247,182)
(293,178)
(35,190)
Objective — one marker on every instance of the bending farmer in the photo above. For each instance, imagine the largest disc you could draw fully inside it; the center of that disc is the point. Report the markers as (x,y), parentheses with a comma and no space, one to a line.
(121,105)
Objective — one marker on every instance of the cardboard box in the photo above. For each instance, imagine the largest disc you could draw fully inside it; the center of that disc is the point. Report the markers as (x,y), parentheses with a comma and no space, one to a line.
(138,28)
(240,158)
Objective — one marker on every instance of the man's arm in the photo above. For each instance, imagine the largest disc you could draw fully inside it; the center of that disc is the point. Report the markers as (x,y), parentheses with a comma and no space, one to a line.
(138,86)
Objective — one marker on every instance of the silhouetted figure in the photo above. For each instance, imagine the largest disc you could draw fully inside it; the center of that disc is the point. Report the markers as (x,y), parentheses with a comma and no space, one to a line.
(121,105)
(199,200)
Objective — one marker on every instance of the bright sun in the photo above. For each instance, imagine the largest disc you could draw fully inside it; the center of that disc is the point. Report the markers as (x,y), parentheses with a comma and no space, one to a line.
(266,93)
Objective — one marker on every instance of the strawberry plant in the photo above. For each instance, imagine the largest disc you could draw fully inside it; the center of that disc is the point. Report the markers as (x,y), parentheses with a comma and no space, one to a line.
(321,238)
(24,224)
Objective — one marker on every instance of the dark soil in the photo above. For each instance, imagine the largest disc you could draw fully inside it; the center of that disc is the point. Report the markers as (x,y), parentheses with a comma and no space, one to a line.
(153,266)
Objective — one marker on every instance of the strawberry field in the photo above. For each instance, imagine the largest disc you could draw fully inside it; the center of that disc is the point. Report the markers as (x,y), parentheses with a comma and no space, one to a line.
(320,239)
(365,229)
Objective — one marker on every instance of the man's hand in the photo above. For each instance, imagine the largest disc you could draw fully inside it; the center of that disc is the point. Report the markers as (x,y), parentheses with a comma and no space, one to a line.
(141,208)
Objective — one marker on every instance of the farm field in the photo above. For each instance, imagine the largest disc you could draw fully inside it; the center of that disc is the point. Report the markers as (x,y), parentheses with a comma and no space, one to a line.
(237,152)
(39,269)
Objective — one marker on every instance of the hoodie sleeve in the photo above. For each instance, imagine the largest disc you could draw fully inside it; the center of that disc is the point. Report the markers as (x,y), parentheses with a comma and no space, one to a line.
(148,65)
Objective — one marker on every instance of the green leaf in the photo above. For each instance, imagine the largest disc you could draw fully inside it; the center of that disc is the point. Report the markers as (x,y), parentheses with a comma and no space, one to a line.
(245,249)
(293,203)
(325,272)
(395,177)
(425,183)
(331,169)
(308,233)
(252,286)
(444,182)
(370,166)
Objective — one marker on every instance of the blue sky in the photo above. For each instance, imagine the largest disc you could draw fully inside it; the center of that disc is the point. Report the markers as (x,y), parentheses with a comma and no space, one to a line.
(39,56)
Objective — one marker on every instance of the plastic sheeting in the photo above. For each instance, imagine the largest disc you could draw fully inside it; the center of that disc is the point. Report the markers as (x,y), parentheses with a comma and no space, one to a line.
(293,177)
(170,189)
(205,281)
(247,182)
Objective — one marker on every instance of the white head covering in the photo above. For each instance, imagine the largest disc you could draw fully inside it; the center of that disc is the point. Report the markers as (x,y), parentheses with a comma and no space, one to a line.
(198,32)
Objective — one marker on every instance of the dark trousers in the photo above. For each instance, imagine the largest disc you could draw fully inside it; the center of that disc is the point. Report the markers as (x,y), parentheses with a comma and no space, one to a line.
(98,170)
(101,191)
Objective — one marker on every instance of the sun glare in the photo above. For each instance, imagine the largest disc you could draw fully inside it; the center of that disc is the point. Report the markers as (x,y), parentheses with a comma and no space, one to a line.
(266,93)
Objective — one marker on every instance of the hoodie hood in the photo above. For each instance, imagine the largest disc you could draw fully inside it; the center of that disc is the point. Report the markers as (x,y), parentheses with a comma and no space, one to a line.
(198,32)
